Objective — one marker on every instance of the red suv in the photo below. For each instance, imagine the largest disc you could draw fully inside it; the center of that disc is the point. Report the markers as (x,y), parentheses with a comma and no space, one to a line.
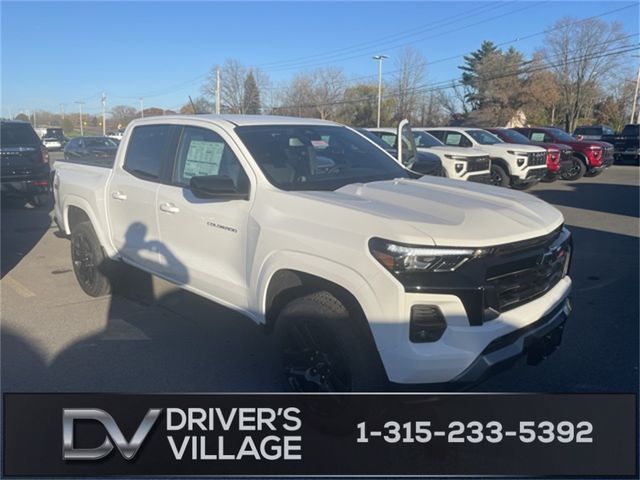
(594,156)
(559,156)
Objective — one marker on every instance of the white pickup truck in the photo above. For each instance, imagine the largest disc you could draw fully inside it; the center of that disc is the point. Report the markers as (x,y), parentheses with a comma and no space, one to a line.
(512,164)
(367,273)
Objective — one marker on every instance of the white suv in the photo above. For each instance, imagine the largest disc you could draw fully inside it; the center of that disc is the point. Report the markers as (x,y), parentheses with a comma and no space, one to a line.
(515,165)
(458,163)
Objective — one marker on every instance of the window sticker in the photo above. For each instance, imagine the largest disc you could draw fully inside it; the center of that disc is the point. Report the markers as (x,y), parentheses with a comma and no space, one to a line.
(319,144)
(203,158)
(454,139)
(537,137)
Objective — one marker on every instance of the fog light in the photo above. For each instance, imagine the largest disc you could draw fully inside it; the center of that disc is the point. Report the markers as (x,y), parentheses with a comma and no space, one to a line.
(520,162)
(459,167)
(427,324)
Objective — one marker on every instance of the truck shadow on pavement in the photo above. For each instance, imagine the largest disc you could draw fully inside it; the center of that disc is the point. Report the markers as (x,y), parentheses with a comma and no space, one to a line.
(151,342)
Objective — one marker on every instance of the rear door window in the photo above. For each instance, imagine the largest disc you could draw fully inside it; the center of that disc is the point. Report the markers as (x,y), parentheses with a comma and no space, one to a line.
(456,139)
(148,151)
(537,136)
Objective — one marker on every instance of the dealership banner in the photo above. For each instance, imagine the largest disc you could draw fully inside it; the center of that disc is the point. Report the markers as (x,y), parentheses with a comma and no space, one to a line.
(85,435)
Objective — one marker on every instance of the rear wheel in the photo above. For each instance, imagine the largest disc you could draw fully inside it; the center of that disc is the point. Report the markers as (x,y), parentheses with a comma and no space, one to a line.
(499,177)
(90,265)
(324,350)
(575,172)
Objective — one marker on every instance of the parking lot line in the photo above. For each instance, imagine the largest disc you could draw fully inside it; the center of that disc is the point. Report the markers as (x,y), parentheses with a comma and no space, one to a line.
(18,287)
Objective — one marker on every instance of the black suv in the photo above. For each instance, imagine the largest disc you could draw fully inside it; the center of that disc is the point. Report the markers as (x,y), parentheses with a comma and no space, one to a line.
(24,169)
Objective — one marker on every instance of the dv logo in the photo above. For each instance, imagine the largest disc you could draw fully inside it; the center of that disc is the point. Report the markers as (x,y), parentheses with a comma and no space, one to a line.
(127,449)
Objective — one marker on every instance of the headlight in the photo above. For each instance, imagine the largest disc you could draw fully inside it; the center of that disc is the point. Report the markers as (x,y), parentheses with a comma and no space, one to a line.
(399,258)
(456,157)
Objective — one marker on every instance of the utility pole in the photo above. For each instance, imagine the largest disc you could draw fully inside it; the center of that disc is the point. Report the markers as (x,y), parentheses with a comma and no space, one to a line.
(104,114)
(81,126)
(34,119)
(62,110)
(635,98)
(141,107)
(218,91)
(379,58)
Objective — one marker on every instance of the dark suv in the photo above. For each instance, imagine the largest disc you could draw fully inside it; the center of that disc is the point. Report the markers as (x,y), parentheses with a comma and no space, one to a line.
(592,132)
(24,169)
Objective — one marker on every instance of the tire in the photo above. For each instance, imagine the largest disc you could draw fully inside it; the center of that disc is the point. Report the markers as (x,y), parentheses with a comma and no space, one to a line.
(40,199)
(593,173)
(576,172)
(90,265)
(499,177)
(324,350)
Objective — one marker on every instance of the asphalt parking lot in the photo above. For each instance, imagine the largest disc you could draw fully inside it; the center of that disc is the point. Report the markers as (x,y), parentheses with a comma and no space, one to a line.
(151,337)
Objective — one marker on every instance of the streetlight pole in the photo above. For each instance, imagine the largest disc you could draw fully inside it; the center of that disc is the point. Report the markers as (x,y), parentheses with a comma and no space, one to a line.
(635,96)
(380,58)
(81,127)
(104,114)
(217,91)
(141,107)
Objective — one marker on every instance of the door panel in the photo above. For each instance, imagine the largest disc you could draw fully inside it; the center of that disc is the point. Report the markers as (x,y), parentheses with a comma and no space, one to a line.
(205,239)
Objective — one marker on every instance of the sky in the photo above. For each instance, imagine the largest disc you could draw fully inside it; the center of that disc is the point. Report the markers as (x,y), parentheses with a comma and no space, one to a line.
(55,53)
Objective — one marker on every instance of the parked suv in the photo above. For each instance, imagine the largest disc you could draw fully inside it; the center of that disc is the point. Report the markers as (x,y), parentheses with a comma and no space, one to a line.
(594,156)
(366,272)
(457,163)
(425,163)
(25,162)
(518,166)
(559,157)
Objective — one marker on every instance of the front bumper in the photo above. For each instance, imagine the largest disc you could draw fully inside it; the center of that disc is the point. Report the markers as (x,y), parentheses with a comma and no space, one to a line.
(480,178)
(533,175)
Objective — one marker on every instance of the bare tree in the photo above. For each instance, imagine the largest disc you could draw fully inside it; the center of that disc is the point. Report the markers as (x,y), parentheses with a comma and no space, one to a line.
(297,99)
(327,90)
(411,66)
(576,53)
(123,114)
(233,76)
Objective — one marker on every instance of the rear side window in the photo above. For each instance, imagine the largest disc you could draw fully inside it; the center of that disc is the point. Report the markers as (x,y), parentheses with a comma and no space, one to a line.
(148,150)
(537,136)
(18,134)
(389,138)
(456,139)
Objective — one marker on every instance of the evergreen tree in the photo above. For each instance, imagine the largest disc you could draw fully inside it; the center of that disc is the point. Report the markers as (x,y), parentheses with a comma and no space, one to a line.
(251,99)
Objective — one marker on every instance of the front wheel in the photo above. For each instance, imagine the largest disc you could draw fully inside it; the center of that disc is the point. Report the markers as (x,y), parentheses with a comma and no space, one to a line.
(324,350)
(90,265)
(499,177)
(575,172)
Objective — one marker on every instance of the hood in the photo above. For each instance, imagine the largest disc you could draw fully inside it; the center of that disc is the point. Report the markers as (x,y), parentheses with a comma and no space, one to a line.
(558,146)
(446,149)
(520,147)
(440,211)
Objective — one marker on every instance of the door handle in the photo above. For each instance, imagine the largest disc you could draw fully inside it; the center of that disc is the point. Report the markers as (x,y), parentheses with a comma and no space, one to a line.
(169,208)
(118,196)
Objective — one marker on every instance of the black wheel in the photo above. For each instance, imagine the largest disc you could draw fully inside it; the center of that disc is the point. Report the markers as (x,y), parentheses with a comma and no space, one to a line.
(593,173)
(90,265)
(324,350)
(575,172)
(40,199)
(499,177)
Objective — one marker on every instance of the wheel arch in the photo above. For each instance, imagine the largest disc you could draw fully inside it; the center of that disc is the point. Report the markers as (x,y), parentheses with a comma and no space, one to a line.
(78,210)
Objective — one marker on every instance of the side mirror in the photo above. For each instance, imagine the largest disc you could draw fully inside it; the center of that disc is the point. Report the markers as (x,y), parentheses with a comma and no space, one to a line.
(407,151)
(216,186)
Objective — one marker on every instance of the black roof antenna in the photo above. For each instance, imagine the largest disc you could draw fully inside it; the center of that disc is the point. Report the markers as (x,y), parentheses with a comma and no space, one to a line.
(193,106)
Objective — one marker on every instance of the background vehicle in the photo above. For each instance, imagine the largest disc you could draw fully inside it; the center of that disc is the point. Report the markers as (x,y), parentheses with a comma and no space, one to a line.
(592,132)
(594,156)
(52,143)
(518,166)
(25,162)
(426,163)
(116,135)
(626,144)
(91,150)
(457,163)
(345,265)
(52,133)
(559,156)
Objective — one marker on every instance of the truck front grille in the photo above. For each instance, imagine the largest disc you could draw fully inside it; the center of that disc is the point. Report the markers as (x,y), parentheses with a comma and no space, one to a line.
(478,164)
(535,159)
(529,275)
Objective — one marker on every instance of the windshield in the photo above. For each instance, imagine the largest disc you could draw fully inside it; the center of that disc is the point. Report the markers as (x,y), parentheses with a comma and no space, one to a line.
(374,138)
(424,140)
(317,157)
(562,135)
(483,137)
(514,137)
